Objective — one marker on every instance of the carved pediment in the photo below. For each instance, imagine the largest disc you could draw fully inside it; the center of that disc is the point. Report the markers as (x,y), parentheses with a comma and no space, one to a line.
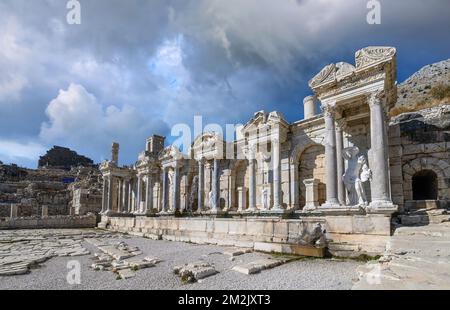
(373,54)
(325,75)
(171,153)
(208,142)
(344,69)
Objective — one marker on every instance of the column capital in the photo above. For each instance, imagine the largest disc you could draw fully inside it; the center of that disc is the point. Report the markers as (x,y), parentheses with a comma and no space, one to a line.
(376,98)
(328,110)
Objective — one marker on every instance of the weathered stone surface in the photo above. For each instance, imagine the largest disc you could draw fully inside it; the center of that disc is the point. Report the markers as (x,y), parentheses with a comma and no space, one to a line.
(416,258)
(20,249)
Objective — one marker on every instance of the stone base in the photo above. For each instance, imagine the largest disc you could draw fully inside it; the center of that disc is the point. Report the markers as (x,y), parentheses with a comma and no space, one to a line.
(292,249)
(108,213)
(166,213)
(273,212)
(216,212)
(381,207)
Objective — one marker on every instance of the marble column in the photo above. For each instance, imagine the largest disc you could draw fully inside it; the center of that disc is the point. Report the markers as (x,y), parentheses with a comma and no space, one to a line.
(164,191)
(119,195)
(201,185)
(276,174)
(340,165)
(105,195)
(215,186)
(175,189)
(139,195)
(126,185)
(110,194)
(330,158)
(252,184)
(379,163)
(130,197)
(14,210)
(148,195)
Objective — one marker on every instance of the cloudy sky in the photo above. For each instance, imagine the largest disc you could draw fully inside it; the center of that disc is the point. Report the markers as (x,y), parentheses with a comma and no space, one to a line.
(137,67)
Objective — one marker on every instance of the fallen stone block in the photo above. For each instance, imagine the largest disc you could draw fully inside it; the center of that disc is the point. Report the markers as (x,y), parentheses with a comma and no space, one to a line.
(154,260)
(194,271)
(126,274)
(259,265)
(140,264)
(237,251)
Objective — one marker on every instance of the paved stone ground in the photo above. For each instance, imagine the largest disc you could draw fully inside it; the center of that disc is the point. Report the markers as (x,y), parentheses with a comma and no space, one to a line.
(416,258)
(52,272)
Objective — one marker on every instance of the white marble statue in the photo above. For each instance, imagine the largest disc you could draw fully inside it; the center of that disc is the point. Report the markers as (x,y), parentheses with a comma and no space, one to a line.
(265,198)
(356,174)
(211,199)
(364,176)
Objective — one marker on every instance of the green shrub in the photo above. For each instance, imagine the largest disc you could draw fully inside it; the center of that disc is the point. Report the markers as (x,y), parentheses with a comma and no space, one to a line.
(440,92)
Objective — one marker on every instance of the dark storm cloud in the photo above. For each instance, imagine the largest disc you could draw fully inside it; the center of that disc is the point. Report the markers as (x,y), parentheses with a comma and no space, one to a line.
(138,67)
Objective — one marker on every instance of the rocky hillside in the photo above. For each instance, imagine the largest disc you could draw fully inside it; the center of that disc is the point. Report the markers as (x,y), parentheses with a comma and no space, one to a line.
(427,87)
(64,158)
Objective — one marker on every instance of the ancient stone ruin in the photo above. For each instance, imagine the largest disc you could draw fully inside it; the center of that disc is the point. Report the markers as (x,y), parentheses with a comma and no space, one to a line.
(59,190)
(349,170)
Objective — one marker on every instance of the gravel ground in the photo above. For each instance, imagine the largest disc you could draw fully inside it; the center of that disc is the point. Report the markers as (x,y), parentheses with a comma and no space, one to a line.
(314,274)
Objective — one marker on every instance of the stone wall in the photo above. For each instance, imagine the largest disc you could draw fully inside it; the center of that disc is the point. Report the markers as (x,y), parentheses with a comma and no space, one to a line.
(347,235)
(86,221)
(417,142)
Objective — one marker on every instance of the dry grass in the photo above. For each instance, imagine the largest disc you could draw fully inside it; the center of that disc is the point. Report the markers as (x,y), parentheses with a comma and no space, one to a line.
(440,94)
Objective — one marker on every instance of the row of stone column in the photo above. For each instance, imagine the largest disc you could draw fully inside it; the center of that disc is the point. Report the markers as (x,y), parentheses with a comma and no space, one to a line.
(14,211)
(129,195)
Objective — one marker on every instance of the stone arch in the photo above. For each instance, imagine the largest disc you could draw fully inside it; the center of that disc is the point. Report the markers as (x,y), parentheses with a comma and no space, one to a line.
(294,161)
(440,167)
(312,166)
(302,146)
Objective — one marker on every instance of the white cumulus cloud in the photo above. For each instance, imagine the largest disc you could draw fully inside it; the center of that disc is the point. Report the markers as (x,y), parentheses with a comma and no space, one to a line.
(77,119)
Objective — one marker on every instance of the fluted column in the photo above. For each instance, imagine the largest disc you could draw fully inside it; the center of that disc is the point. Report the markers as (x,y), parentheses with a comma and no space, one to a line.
(139,195)
(148,195)
(119,195)
(215,186)
(104,195)
(276,174)
(252,182)
(164,191)
(130,197)
(175,187)
(379,164)
(330,158)
(110,194)
(201,184)
(125,189)
(340,164)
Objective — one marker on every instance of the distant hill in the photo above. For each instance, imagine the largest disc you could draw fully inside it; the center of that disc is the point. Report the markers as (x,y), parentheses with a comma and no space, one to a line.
(428,87)
(63,158)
